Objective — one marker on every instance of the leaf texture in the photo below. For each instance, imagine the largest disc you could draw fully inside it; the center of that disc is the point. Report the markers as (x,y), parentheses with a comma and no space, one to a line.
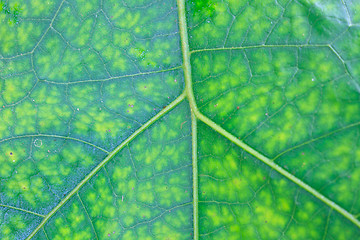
(179,120)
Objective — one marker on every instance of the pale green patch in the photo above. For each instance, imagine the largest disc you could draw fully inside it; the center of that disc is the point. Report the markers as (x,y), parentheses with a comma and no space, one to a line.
(96,145)
(71,227)
(119,189)
(261,214)
(13,221)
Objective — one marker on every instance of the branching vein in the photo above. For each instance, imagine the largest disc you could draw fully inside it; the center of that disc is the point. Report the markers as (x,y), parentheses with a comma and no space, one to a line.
(22,210)
(54,136)
(279,169)
(107,159)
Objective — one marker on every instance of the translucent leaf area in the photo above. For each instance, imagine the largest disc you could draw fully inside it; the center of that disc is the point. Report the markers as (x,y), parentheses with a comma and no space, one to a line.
(175,119)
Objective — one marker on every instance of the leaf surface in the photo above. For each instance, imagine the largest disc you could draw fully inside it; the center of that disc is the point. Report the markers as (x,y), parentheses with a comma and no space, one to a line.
(172,120)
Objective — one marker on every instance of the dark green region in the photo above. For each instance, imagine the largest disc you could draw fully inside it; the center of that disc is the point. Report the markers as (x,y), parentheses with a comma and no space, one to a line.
(321,23)
(12,12)
(205,8)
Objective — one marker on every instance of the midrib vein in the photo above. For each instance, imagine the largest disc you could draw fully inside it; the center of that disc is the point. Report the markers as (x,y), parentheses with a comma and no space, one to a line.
(193,108)
(107,159)
(196,114)
(195,175)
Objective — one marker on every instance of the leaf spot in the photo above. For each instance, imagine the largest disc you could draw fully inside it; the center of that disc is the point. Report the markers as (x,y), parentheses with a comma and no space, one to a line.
(37,143)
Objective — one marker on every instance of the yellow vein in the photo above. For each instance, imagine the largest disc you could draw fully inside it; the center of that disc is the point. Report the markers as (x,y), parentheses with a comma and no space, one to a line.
(347,71)
(260,46)
(190,96)
(318,138)
(107,159)
(87,214)
(327,224)
(54,136)
(113,78)
(279,169)
(214,231)
(45,234)
(22,210)
(159,216)
(50,26)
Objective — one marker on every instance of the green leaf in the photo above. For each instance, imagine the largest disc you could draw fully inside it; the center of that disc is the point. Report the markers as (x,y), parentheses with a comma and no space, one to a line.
(171,120)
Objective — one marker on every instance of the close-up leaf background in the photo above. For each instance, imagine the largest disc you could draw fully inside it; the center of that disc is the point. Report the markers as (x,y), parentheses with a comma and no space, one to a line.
(165,119)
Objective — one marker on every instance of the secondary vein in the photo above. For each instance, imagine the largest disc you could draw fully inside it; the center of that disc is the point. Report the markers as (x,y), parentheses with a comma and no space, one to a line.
(316,139)
(113,78)
(54,136)
(22,210)
(279,169)
(107,159)
(260,46)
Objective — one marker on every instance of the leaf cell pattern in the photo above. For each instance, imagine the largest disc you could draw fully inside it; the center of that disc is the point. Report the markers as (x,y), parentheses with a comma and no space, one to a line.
(164,119)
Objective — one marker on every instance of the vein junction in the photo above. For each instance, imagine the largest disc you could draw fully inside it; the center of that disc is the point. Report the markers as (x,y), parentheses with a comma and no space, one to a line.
(197,115)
